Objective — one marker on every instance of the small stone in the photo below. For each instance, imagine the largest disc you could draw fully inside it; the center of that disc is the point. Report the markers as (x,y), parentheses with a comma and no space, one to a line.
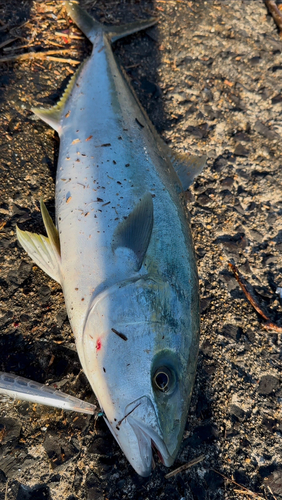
(205,304)
(10,429)
(236,409)
(59,450)
(241,136)
(61,317)
(201,131)
(241,477)
(227,197)
(204,200)
(271,218)
(219,164)
(255,235)
(268,384)
(101,446)
(201,252)
(227,182)
(269,422)
(95,494)
(276,99)
(6,318)
(38,492)
(255,60)
(240,150)
(232,331)
(207,348)
(274,481)
(265,131)
(230,281)
(266,470)
(44,293)
(233,244)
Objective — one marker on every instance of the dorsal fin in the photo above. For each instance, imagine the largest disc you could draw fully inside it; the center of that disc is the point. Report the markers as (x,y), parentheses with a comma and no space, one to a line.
(187,167)
(135,231)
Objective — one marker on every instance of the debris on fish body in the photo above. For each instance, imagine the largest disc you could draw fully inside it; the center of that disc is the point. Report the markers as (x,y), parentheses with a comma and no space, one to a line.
(123,252)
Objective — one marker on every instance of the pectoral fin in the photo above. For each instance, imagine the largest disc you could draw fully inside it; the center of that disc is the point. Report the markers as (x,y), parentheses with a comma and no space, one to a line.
(45,252)
(135,232)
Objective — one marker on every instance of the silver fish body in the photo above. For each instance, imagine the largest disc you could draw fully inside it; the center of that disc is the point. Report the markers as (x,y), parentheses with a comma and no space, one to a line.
(123,255)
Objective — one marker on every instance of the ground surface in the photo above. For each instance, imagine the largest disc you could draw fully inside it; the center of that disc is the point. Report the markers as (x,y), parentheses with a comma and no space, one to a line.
(209,76)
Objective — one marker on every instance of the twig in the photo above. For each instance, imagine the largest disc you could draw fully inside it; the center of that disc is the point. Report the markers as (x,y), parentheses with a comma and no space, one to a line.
(4,27)
(272,326)
(18,47)
(7,42)
(275,12)
(247,290)
(6,490)
(244,490)
(268,487)
(246,287)
(40,55)
(185,466)
(55,44)
(64,35)
(171,1)
(62,59)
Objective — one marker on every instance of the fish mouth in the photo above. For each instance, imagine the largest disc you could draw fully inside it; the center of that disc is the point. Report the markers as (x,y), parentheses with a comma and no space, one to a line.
(149,440)
(138,433)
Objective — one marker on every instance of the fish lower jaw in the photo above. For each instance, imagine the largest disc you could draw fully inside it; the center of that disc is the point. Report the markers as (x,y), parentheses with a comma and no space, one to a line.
(149,440)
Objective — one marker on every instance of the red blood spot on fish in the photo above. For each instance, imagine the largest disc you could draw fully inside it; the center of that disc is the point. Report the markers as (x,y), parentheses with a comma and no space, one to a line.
(98,345)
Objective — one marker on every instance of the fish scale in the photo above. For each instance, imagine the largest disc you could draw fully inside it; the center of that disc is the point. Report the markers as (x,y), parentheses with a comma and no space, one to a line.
(123,252)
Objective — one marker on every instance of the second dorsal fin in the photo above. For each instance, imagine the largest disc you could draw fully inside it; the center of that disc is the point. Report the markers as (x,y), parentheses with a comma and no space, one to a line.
(187,167)
(53,116)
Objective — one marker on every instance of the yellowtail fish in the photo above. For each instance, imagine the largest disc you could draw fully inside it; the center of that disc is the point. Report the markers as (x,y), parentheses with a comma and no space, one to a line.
(122,251)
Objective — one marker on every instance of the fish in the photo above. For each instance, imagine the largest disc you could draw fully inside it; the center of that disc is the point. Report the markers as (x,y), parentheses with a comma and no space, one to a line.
(122,251)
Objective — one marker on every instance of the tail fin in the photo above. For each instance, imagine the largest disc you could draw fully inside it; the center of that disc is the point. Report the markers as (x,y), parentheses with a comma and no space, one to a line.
(89,26)
(83,20)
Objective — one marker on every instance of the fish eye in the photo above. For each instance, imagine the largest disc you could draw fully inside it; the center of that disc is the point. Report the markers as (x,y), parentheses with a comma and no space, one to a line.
(163,379)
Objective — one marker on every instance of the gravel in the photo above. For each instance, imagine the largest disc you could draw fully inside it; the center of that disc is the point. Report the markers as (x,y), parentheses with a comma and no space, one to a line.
(209,76)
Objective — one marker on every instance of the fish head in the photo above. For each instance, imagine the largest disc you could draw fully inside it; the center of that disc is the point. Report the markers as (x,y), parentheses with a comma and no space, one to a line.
(140,348)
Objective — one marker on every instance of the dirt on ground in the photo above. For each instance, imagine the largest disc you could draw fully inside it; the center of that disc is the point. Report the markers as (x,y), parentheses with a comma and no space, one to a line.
(210,77)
